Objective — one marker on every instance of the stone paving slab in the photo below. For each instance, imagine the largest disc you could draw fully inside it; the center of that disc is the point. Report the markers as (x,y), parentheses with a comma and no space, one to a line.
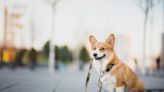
(25,80)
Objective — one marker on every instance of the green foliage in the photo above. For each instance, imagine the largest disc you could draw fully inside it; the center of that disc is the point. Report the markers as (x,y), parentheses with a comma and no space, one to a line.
(46,48)
(84,55)
(42,58)
(63,54)
(57,53)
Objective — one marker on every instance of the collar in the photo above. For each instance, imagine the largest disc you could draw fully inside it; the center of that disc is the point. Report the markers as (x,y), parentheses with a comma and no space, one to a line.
(109,67)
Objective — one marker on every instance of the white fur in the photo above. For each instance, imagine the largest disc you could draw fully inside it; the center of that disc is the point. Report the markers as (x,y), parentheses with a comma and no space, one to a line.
(108,80)
(120,89)
(97,64)
(104,61)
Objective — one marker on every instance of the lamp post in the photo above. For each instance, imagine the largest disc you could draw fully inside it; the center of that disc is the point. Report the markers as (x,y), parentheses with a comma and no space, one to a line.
(52,55)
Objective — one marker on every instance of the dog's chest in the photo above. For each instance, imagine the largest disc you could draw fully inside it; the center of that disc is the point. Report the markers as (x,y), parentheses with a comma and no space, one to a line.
(100,65)
(107,80)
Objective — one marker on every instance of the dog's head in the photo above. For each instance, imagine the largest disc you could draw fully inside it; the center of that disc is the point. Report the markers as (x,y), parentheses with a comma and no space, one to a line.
(102,50)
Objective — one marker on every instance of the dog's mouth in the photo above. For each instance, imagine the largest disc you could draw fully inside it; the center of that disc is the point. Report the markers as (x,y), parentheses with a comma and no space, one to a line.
(99,58)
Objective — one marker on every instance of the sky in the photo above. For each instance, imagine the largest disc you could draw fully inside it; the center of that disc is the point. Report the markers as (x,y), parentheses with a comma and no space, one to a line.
(75,20)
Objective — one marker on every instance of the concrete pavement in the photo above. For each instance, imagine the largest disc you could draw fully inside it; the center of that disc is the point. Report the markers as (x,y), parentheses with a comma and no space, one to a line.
(39,80)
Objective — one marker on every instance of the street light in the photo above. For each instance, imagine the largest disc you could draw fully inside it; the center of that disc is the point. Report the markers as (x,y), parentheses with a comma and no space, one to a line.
(51,60)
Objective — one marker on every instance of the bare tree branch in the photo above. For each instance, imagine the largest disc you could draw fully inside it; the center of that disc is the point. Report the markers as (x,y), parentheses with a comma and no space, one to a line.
(146,5)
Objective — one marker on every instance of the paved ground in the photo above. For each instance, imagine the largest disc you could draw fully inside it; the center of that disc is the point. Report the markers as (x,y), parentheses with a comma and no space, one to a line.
(25,80)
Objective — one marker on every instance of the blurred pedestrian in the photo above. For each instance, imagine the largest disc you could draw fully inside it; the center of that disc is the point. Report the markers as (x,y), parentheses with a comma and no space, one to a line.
(5,56)
(137,69)
(32,56)
(1,57)
(11,56)
(158,61)
(19,58)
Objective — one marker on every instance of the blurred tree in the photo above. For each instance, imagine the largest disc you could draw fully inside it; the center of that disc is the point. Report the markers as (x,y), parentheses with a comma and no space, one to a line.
(65,54)
(32,56)
(146,6)
(57,58)
(1,56)
(84,56)
(46,48)
(19,58)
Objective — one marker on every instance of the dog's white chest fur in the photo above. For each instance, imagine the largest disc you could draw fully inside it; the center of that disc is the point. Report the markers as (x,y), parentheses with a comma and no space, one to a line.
(108,80)
(100,65)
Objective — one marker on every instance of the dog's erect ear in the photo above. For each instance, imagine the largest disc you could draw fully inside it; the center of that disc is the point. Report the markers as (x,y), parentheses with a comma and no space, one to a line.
(92,39)
(110,40)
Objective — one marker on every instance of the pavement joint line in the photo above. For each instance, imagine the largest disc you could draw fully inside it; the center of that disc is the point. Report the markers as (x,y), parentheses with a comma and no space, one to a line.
(57,84)
(9,86)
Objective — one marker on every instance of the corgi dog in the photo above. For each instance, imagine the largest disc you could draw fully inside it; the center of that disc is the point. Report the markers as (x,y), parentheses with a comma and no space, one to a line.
(117,75)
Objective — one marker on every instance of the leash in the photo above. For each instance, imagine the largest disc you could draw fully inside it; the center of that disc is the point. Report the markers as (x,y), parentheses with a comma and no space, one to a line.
(88,76)
(99,81)
(101,75)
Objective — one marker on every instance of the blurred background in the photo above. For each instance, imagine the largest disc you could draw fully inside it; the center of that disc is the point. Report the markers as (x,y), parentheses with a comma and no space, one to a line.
(44,43)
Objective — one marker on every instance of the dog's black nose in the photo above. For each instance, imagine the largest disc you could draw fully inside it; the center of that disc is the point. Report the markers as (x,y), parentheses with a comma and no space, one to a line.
(94,54)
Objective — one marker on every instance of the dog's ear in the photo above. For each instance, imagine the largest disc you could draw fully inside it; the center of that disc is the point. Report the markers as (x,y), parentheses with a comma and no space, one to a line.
(110,40)
(92,39)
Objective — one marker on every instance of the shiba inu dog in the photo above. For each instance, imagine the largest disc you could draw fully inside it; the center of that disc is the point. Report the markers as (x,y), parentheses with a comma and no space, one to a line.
(117,75)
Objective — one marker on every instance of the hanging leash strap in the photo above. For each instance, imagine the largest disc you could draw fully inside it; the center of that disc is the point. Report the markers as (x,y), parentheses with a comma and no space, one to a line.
(88,76)
(108,68)
(99,81)
(102,73)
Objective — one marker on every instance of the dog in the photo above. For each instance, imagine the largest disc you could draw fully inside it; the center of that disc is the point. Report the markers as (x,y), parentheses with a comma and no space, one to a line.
(117,75)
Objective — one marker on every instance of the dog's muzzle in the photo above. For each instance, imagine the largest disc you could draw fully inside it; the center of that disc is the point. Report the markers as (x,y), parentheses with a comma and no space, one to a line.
(99,58)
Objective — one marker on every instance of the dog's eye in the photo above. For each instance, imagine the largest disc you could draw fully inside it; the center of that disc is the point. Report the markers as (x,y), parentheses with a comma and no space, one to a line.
(102,49)
(94,48)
